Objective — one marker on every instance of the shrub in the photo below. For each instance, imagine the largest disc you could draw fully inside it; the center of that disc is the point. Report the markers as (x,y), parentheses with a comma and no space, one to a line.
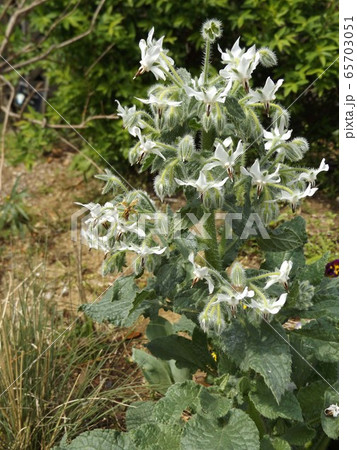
(252,361)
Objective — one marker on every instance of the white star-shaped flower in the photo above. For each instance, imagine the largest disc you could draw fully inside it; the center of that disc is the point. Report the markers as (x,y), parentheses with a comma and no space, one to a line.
(240,66)
(210,95)
(311,175)
(277,136)
(269,305)
(266,94)
(234,298)
(201,184)
(225,159)
(151,57)
(201,273)
(283,275)
(261,178)
(295,196)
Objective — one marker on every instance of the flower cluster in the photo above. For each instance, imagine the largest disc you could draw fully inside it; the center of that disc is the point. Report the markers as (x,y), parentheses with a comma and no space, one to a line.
(216,138)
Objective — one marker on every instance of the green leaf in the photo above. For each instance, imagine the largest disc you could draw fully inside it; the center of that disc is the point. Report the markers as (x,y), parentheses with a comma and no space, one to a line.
(269,354)
(158,327)
(156,436)
(315,272)
(299,435)
(233,341)
(300,295)
(320,337)
(274,260)
(193,353)
(116,304)
(97,439)
(270,443)
(330,425)
(168,277)
(213,405)
(179,397)
(288,236)
(156,372)
(311,399)
(237,432)
(139,413)
(266,404)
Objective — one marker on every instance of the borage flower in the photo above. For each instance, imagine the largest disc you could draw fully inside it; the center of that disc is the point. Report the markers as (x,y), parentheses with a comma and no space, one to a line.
(201,184)
(282,275)
(294,197)
(266,94)
(201,273)
(209,96)
(159,103)
(151,57)
(261,178)
(311,175)
(234,298)
(224,159)
(275,137)
(270,306)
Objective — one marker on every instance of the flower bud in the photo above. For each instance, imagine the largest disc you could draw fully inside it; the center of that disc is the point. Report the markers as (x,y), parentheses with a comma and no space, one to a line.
(219,123)
(238,276)
(296,149)
(186,148)
(161,224)
(213,199)
(206,122)
(211,30)
(267,57)
(267,211)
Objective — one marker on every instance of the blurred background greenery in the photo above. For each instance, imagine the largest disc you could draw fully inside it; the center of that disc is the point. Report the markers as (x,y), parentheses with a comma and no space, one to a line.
(83,54)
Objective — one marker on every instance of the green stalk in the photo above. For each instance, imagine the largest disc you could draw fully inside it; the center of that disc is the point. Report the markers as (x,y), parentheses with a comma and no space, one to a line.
(207,138)
(212,253)
(206,61)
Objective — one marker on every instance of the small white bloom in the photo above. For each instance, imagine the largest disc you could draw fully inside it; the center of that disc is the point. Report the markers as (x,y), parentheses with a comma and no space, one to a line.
(201,273)
(160,103)
(296,195)
(143,250)
(311,175)
(224,159)
(232,56)
(283,275)
(332,410)
(240,66)
(131,119)
(147,147)
(277,136)
(151,58)
(234,298)
(210,95)
(261,178)
(266,94)
(201,184)
(269,305)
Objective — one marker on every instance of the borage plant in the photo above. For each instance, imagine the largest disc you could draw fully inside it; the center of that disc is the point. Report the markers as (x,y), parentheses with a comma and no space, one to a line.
(250,359)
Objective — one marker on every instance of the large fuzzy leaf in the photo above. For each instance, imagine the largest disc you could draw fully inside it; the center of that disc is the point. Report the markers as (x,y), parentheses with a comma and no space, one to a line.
(98,439)
(237,432)
(288,236)
(266,404)
(268,353)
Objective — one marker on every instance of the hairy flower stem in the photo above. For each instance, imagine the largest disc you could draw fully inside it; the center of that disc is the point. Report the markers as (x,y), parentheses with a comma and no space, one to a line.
(176,76)
(206,61)
(207,138)
(211,253)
